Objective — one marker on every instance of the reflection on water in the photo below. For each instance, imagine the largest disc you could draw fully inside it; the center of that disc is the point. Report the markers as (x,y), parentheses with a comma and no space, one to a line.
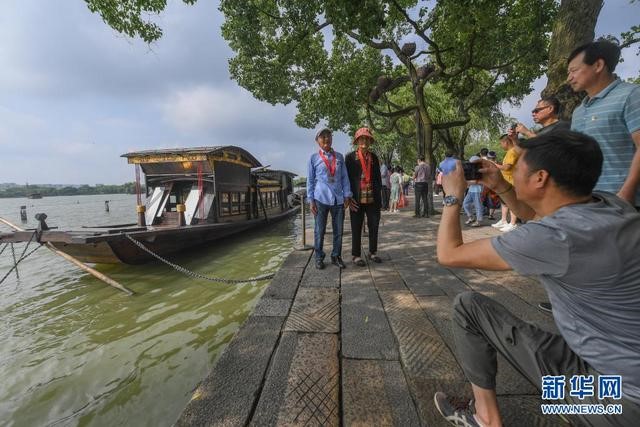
(78,352)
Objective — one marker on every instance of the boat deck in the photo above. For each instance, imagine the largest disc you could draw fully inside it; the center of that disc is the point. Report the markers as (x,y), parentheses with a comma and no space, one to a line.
(365,346)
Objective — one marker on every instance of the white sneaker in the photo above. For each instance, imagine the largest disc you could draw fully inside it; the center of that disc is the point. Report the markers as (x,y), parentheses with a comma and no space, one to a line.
(499,224)
(508,227)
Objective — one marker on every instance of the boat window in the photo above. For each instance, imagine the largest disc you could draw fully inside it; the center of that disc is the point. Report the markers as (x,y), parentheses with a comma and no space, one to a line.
(233,203)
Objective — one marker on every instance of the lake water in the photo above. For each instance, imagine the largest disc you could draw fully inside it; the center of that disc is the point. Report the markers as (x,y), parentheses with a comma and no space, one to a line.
(78,352)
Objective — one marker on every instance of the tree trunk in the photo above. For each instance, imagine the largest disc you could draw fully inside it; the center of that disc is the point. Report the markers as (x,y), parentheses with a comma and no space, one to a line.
(574,26)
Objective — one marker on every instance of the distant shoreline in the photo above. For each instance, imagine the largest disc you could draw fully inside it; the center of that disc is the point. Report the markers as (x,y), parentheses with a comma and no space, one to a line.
(23,191)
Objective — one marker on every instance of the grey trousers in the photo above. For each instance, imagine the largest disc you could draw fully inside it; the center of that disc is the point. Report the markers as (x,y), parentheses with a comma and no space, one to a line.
(483,328)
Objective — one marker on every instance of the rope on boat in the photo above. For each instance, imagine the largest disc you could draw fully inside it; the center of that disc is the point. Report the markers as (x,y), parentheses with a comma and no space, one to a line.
(18,262)
(194,274)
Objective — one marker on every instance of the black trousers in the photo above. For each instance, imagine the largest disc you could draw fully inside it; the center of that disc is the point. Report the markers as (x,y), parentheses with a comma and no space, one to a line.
(386,194)
(422,193)
(373,220)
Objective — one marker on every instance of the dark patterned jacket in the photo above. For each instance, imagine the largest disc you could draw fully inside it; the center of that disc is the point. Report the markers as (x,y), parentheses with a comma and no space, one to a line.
(354,169)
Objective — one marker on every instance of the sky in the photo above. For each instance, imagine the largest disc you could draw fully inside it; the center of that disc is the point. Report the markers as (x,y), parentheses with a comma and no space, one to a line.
(75,94)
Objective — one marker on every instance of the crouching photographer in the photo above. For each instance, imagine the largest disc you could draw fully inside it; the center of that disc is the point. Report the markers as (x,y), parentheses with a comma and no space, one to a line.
(582,246)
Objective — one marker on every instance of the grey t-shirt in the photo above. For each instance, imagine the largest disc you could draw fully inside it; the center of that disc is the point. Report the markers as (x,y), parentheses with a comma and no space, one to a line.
(422,172)
(587,256)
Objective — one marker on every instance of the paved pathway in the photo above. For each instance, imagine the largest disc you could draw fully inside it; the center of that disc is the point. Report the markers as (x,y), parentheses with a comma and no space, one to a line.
(365,346)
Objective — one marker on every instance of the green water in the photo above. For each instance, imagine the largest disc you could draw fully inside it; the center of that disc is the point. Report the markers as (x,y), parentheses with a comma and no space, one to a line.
(77,352)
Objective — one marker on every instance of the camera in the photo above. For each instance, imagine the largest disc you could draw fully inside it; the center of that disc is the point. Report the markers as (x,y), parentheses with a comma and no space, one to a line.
(471,170)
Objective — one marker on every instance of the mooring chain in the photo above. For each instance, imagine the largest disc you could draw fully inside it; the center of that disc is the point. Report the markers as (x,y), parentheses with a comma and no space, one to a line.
(193,273)
(18,262)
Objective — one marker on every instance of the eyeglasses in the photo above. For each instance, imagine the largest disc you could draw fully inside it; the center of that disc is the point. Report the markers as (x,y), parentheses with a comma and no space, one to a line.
(537,110)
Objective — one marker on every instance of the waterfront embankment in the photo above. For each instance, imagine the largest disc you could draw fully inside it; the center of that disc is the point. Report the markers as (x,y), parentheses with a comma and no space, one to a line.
(363,346)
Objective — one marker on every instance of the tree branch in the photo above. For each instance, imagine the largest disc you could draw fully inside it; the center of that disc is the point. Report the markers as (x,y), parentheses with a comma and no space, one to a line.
(629,42)
(398,113)
(420,32)
(482,95)
(452,124)
(369,42)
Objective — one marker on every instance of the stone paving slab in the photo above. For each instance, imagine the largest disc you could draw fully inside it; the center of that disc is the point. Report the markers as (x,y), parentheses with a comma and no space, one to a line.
(297,259)
(328,277)
(525,311)
(284,284)
(268,306)
(366,333)
(227,395)
(315,310)
(428,362)
(376,393)
(355,277)
(440,312)
(326,362)
(527,288)
(525,411)
(302,387)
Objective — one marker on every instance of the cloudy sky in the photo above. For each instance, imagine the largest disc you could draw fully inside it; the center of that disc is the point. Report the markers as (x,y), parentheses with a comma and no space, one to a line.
(75,95)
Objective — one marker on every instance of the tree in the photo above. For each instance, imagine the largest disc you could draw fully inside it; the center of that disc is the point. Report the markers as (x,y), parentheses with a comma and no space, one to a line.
(574,26)
(126,16)
(326,56)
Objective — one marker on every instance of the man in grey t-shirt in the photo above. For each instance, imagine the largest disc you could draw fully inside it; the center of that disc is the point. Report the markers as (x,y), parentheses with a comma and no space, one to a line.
(583,247)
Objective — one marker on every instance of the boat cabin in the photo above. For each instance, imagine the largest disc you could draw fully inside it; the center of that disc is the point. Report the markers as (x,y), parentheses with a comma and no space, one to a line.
(210,185)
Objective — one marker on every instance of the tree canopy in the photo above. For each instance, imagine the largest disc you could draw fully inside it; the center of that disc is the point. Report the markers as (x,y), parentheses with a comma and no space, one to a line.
(328,56)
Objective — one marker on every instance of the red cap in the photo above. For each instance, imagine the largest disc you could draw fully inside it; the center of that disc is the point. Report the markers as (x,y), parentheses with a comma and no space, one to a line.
(362,132)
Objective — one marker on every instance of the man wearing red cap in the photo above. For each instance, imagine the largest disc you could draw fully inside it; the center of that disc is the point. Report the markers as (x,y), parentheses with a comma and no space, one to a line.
(328,190)
(363,167)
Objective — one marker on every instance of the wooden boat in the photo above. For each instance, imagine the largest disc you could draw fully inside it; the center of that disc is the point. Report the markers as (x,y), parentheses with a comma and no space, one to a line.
(34,196)
(193,196)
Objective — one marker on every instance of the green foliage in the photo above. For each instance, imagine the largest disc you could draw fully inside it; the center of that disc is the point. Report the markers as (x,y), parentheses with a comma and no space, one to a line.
(127,16)
(326,56)
(49,191)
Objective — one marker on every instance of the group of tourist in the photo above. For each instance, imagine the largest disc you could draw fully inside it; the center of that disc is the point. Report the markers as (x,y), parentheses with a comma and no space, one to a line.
(576,193)
(336,183)
(583,246)
(359,183)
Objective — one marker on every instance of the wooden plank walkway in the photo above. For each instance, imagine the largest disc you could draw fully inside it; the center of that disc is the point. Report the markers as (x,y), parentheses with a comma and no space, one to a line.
(365,346)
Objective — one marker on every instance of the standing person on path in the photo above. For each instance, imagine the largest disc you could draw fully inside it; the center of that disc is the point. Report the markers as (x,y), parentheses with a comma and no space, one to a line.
(473,200)
(611,114)
(328,190)
(507,166)
(421,177)
(592,277)
(396,188)
(363,168)
(385,175)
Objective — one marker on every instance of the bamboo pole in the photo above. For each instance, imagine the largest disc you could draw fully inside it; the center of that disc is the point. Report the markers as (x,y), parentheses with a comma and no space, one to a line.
(95,273)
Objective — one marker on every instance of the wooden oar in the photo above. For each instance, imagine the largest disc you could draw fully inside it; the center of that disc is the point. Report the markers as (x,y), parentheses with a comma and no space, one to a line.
(77,262)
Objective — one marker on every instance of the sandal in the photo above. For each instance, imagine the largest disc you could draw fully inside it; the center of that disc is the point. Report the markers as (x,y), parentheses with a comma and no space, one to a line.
(358,261)
(375,258)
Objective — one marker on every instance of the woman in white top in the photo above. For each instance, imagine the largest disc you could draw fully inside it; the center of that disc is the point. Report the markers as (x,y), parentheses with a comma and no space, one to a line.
(396,185)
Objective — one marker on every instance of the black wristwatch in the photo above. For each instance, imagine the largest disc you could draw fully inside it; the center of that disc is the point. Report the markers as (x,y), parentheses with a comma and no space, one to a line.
(450,200)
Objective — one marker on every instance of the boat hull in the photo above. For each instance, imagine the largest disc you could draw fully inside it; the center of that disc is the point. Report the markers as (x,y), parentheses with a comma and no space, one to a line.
(117,248)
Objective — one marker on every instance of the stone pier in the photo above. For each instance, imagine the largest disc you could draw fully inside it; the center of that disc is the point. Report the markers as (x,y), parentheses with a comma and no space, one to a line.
(364,346)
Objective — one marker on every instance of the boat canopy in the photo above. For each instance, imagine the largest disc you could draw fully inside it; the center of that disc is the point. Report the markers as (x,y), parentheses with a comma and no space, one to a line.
(227,153)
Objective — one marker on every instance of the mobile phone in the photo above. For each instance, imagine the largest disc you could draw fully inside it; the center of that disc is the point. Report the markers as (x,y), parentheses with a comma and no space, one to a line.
(471,170)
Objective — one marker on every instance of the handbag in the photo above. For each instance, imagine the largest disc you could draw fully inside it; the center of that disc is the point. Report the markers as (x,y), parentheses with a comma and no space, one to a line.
(402,202)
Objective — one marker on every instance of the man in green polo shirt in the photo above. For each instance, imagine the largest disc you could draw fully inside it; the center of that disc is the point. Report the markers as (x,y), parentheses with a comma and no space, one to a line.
(610,113)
